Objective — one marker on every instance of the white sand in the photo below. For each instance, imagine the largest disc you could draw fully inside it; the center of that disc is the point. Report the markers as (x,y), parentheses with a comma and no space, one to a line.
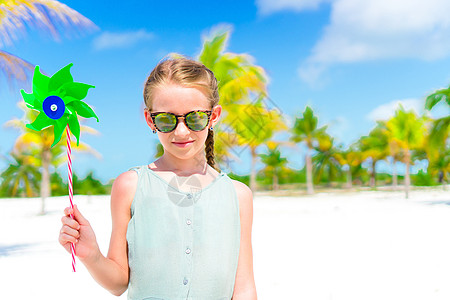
(366,245)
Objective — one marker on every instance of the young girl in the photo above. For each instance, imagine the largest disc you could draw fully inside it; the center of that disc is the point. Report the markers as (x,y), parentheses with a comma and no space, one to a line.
(168,242)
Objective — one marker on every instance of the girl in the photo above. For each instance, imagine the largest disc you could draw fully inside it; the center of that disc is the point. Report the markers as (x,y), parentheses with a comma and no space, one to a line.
(168,242)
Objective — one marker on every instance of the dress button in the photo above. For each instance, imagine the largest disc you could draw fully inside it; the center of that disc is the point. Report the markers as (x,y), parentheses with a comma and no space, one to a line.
(189,222)
(188,251)
(189,196)
(185,281)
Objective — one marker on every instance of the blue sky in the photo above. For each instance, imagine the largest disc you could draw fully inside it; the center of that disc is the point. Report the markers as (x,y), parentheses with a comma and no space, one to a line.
(353,61)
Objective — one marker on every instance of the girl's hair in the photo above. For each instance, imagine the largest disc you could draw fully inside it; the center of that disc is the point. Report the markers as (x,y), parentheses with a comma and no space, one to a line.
(189,73)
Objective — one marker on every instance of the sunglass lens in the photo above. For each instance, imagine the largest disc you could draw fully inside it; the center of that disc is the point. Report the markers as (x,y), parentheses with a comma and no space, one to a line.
(165,122)
(197,120)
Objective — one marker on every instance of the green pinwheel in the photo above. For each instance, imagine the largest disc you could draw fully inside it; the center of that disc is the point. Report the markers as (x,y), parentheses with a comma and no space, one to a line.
(58,100)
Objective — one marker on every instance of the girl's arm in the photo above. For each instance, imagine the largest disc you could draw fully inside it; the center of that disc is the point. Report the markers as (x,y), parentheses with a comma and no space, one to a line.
(244,287)
(111,271)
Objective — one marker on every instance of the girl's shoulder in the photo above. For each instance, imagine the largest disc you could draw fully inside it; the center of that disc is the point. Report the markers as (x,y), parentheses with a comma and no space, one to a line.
(124,186)
(243,193)
(241,188)
(126,179)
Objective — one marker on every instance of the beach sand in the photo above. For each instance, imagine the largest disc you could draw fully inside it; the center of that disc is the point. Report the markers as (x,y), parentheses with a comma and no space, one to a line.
(328,246)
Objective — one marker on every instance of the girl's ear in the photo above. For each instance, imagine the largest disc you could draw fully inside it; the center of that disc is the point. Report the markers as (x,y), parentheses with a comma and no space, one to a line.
(215,115)
(149,119)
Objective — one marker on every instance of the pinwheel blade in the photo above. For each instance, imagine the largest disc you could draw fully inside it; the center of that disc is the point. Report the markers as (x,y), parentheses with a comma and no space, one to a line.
(83,109)
(59,78)
(30,100)
(76,90)
(58,129)
(74,127)
(41,122)
(40,84)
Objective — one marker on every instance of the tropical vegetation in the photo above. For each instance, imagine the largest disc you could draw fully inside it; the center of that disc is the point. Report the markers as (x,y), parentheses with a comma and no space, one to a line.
(250,126)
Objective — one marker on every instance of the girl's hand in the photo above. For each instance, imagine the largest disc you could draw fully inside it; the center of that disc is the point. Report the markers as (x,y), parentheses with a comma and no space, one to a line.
(79,232)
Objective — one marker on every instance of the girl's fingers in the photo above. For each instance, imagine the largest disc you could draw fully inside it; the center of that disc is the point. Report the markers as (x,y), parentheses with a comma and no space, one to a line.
(70,231)
(75,212)
(80,218)
(68,211)
(70,222)
(65,238)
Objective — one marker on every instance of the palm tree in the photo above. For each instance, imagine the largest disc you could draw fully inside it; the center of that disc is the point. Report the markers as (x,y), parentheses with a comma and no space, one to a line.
(392,148)
(409,131)
(326,159)
(39,145)
(274,162)
(374,147)
(47,15)
(440,166)
(237,74)
(238,79)
(350,160)
(254,126)
(441,127)
(22,173)
(305,130)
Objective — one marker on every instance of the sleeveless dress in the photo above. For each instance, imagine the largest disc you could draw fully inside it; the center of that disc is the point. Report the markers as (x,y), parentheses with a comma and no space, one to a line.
(183,245)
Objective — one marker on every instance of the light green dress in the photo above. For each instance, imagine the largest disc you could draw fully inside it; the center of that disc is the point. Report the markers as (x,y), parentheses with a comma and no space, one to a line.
(183,245)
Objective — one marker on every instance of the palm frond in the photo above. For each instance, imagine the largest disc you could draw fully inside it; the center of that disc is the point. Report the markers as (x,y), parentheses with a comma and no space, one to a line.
(15,68)
(46,15)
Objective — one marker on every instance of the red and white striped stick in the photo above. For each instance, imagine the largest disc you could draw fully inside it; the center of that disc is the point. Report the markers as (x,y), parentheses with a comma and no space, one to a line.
(70,183)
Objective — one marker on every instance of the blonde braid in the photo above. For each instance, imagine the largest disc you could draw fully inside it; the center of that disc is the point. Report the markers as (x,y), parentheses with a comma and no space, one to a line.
(209,149)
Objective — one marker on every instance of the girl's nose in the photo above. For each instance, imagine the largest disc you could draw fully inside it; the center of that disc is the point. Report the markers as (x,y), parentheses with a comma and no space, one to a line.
(181,128)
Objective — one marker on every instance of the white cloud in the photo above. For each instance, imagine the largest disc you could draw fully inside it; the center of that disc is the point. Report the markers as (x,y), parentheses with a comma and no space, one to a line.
(108,40)
(338,128)
(363,30)
(386,111)
(266,7)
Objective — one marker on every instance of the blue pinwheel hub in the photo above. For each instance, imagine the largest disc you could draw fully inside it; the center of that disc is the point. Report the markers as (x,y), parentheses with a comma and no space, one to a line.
(53,107)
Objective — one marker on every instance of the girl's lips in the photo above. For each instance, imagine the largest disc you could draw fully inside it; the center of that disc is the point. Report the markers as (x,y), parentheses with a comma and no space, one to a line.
(183,144)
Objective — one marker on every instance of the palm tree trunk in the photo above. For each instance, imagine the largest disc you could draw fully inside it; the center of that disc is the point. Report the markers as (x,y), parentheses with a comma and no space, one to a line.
(349,178)
(275,181)
(45,181)
(253,169)
(373,182)
(309,180)
(330,176)
(394,175)
(444,181)
(407,178)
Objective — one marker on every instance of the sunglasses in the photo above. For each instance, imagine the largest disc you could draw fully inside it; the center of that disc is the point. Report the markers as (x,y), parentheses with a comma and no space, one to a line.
(196,120)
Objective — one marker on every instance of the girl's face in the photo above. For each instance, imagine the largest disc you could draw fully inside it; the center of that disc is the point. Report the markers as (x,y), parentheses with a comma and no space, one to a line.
(182,142)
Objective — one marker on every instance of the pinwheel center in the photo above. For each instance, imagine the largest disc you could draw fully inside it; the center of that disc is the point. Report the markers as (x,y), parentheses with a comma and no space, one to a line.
(53,107)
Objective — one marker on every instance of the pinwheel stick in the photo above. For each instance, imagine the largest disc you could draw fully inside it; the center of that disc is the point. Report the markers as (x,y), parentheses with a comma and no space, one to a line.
(70,184)
(58,101)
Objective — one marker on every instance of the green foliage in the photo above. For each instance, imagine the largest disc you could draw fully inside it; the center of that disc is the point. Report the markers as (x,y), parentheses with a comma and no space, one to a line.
(57,185)
(384,178)
(423,179)
(264,177)
(286,176)
(88,186)
(437,96)
(305,129)
(20,178)
(441,127)
(244,179)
